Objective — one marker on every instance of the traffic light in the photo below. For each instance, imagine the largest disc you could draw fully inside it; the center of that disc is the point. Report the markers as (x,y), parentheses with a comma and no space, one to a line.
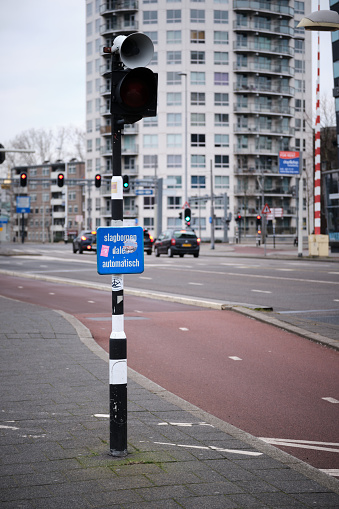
(61,179)
(187,215)
(23,179)
(258,223)
(125,182)
(2,154)
(97,180)
(134,88)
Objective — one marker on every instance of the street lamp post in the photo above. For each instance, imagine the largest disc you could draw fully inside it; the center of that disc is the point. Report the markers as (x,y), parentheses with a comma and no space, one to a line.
(185,144)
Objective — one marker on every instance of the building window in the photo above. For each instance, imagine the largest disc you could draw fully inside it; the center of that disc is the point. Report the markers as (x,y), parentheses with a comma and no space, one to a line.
(149,202)
(89,145)
(153,36)
(221,161)
(221,78)
(198,98)
(197,78)
(221,57)
(222,182)
(198,161)
(173,16)
(221,119)
(173,78)
(173,98)
(198,182)
(173,37)
(150,17)
(174,140)
(173,202)
(197,57)
(150,141)
(174,161)
(198,140)
(220,16)
(176,182)
(198,36)
(173,57)
(220,37)
(221,99)
(221,140)
(173,119)
(151,161)
(197,119)
(299,66)
(197,16)
(299,7)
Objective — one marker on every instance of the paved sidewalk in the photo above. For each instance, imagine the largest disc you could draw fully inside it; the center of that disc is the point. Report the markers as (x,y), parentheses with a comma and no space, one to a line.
(55,431)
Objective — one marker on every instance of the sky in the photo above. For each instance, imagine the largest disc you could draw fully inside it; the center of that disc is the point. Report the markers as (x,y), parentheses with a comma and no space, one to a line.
(42,64)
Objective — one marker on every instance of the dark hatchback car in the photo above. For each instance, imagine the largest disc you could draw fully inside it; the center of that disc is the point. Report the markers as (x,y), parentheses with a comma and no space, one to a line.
(148,242)
(177,242)
(85,241)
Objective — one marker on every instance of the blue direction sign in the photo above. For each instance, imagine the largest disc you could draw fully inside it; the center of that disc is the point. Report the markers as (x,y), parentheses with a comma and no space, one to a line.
(120,250)
(147,192)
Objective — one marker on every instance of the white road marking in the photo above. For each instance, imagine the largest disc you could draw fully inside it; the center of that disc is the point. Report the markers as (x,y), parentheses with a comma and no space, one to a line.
(261,291)
(183,329)
(51,293)
(330,400)
(286,270)
(333,273)
(2,426)
(185,424)
(213,448)
(303,444)
(91,301)
(234,358)
(145,277)
(196,284)
(20,287)
(330,471)
(106,416)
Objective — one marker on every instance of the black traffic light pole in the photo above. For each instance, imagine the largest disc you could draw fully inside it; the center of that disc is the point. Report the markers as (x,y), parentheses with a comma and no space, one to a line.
(117,340)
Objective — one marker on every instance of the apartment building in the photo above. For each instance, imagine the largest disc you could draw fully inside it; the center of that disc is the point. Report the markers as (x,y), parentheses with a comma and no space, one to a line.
(56,213)
(235,89)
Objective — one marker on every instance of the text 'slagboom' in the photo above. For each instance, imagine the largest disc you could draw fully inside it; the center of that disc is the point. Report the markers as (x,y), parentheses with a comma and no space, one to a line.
(119,238)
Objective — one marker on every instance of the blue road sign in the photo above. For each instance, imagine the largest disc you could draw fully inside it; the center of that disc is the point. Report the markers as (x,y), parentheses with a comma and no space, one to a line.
(23,204)
(120,250)
(147,192)
(288,163)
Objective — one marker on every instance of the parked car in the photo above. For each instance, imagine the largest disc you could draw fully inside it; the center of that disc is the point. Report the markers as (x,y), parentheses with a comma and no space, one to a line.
(177,242)
(85,241)
(148,242)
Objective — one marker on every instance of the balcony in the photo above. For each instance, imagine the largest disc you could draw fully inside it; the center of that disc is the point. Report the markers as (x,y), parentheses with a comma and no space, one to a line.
(118,25)
(274,130)
(260,47)
(264,67)
(271,150)
(247,25)
(255,5)
(274,88)
(110,7)
(257,109)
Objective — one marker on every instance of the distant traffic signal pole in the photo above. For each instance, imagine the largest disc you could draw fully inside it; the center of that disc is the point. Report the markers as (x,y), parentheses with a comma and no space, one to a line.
(133,96)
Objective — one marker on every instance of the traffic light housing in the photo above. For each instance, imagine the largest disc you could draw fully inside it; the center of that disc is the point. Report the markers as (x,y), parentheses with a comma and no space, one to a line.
(2,155)
(23,179)
(258,223)
(125,182)
(97,180)
(61,179)
(187,215)
(134,88)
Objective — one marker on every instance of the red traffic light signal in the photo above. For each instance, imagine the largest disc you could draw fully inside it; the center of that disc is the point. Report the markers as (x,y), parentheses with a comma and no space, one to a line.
(61,179)
(97,180)
(134,94)
(23,179)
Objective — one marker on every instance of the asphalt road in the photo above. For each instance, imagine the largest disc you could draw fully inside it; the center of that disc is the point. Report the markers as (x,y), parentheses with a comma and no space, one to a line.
(268,382)
(301,292)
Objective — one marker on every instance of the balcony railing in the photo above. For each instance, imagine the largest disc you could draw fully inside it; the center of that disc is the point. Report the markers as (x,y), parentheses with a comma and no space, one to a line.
(267,68)
(264,108)
(256,5)
(122,5)
(262,27)
(258,47)
(272,88)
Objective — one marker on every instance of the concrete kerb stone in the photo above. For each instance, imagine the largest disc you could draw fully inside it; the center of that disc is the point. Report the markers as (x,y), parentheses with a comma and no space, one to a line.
(283,457)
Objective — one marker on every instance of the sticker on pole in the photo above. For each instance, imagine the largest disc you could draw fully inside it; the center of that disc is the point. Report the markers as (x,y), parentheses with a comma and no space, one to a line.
(120,250)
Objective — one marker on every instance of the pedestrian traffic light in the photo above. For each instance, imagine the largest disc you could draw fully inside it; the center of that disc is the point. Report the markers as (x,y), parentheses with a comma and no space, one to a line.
(187,215)
(134,88)
(97,180)
(125,182)
(60,180)
(23,179)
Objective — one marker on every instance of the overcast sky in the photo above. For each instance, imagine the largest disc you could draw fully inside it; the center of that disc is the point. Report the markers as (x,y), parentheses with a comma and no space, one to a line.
(42,64)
